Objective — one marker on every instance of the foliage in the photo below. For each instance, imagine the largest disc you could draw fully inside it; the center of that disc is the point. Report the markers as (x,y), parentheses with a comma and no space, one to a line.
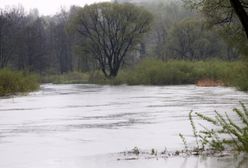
(111,31)
(44,44)
(176,72)
(189,39)
(13,82)
(230,18)
(184,141)
(181,33)
(226,132)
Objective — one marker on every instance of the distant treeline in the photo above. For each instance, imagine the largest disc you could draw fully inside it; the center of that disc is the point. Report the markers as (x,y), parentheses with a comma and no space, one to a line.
(45,44)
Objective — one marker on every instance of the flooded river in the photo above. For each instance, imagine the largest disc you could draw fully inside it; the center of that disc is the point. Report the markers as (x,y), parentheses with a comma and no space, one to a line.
(85,126)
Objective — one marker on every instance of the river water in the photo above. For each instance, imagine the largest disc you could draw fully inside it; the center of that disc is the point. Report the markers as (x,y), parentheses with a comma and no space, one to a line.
(85,126)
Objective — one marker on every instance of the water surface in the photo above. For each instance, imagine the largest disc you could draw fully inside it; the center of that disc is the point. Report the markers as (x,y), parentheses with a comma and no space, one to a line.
(80,126)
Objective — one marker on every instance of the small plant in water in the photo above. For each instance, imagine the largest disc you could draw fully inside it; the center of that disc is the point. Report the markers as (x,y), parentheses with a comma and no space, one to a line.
(154,152)
(184,142)
(136,151)
(228,133)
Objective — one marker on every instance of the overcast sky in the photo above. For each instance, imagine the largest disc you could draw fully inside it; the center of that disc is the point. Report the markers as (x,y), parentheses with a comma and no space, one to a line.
(46,7)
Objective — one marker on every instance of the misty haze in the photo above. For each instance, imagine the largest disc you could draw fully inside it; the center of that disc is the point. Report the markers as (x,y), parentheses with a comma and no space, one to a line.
(123,83)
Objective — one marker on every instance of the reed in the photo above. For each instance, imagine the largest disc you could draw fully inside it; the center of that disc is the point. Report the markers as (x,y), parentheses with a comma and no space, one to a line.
(226,133)
(13,82)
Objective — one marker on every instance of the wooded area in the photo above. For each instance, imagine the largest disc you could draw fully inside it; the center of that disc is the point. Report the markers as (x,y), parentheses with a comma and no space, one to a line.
(48,44)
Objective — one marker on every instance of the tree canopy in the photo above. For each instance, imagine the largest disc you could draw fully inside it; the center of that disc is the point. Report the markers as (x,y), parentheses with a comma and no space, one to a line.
(223,11)
(111,31)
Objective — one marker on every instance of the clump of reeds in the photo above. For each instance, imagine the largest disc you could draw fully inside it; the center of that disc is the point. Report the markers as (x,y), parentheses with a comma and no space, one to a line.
(226,133)
(13,82)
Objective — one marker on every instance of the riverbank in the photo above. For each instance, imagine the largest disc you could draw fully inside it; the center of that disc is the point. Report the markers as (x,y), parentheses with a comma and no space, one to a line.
(156,72)
(16,82)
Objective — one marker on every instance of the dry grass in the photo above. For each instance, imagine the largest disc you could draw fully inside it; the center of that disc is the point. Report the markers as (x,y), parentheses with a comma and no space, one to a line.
(209,83)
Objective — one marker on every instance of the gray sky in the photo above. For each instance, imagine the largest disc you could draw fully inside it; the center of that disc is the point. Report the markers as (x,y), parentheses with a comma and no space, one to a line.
(46,7)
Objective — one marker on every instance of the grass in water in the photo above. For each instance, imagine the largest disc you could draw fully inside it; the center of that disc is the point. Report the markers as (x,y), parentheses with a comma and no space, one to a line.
(226,133)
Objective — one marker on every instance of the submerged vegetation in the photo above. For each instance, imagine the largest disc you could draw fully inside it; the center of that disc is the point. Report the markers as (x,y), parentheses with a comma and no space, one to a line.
(13,82)
(228,131)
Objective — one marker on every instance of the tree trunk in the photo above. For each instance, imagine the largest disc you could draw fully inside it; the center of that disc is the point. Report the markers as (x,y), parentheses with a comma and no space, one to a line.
(242,15)
(113,73)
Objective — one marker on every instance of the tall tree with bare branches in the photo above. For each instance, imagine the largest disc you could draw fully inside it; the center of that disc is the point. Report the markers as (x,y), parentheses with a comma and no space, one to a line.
(111,31)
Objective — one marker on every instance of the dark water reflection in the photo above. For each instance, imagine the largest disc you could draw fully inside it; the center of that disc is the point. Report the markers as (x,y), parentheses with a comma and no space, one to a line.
(81,126)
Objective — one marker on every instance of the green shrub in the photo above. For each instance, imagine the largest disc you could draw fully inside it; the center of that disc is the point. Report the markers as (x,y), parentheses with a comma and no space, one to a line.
(156,72)
(176,72)
(12,82)
(226,132)
(239,77)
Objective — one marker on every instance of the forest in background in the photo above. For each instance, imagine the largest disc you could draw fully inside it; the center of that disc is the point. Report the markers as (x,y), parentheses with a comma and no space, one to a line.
(43,44)
(180,45)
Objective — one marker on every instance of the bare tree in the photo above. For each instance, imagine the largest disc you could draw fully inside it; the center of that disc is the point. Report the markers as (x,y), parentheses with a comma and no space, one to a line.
(10,20)
(61,42)
(112,30)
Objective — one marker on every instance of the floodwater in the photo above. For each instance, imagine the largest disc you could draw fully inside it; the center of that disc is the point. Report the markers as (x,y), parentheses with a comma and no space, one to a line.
(86,126)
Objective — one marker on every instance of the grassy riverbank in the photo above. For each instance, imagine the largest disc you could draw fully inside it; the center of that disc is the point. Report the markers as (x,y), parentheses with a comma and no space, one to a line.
(156,72)
(13,82)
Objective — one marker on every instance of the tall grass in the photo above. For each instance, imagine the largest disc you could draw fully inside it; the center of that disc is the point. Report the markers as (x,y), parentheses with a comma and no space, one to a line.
(226,132)
(13,82)
(156,72)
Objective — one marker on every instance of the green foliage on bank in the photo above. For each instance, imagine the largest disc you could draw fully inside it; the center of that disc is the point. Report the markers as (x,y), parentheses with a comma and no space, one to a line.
(156,72)
(177,72)
(14,82)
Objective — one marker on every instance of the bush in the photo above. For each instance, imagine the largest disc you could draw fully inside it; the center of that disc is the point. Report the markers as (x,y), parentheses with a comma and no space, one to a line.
(13,82)
(176,72)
